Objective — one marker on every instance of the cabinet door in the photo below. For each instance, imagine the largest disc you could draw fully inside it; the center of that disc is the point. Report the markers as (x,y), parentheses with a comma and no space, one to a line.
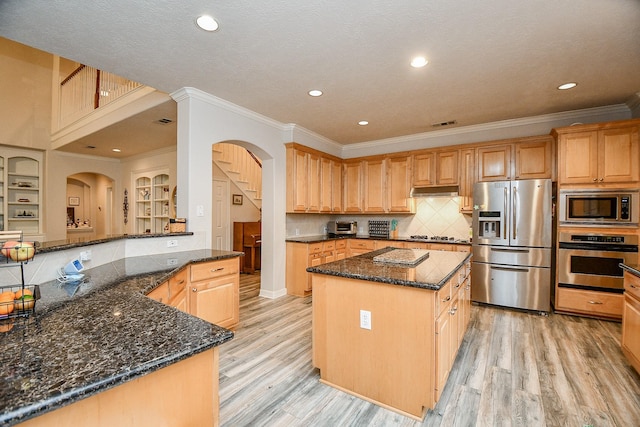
(353,186)
(374,186)
(424,170)
(494,163)
(297,176)
(314,183)
(467,179)
(443,351)
(618,159)
(216,301)
(161,293)
(399,184)
(578,158)
(631,330)
(326,185)
(447,168)
(336,186)
(533,160)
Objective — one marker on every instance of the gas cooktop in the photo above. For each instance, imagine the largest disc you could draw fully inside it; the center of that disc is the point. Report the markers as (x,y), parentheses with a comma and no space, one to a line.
(439,239)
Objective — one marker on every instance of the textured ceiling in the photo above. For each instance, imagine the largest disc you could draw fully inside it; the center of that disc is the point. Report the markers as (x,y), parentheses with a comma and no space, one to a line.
(488,60)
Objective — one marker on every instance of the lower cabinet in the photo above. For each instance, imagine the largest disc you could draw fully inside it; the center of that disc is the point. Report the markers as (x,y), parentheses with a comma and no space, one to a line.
(208,290)
(589,303)
(631,320)
(360,246)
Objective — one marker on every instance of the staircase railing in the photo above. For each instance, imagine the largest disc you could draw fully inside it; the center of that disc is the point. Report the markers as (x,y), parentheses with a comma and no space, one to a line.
(242,167)
(87,89)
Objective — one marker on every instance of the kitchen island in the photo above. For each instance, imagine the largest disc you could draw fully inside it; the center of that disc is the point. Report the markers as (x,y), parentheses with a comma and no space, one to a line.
(101,350)
(389,332)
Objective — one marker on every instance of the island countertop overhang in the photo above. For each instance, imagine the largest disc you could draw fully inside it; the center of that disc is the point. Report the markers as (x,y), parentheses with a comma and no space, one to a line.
(432,273)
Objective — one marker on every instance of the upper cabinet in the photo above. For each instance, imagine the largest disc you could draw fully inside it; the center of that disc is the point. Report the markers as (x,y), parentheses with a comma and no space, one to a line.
(494,163)
(20,191)
(467,179)
(375,183)
(523,158)
(598,154)
(353,186)
(435,168)
(399,173)
(311,181)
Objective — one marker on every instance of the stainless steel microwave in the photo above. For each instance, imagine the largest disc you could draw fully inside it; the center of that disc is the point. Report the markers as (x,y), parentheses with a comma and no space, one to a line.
(599,207)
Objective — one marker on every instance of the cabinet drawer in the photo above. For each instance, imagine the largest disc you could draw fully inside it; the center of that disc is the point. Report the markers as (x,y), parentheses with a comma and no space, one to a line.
(161,293)
(209,270)
(341,244)
(632,284)
(362,244)
(590,302)
(329,246)
(443,298)
(177,283)
(315,248)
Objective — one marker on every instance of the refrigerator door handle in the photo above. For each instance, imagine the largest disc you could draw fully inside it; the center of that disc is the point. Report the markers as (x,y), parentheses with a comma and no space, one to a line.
(524,251)
(523,270)
(514,208)
(506,202)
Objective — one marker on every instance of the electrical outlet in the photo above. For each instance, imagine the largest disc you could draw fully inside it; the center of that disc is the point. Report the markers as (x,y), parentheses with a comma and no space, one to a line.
(297,231)
(172,261)
(85,255)
(172,243)
(365,319)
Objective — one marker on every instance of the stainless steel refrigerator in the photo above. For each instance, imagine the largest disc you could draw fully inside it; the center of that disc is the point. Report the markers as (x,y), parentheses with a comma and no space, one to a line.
(512,241)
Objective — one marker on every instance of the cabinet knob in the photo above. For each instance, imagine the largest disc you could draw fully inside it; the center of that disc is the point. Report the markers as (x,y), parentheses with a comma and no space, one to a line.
(601,179)
(194,289)
(595,179)
(446,299)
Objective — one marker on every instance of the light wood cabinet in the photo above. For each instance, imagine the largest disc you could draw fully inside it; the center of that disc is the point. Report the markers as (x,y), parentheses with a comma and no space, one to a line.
(301,256)
(631,320)
(336,186)
(375,183)
(178,290)
(435,168)
(213,292)
(494,163)
(160,293)
(467,179)
(360,246)
(590,303)
(598,154)
(533,160)
(303,181)
(341,249)
(399,172)
(353,187)
(314,182)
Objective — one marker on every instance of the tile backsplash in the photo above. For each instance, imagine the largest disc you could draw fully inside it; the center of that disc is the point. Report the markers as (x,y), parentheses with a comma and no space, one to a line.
(435,216)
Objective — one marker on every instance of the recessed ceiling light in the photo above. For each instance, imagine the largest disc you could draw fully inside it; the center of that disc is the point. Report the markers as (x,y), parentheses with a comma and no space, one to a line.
(363,122)
(419,62)
(567,86)
(116,150)
(207,23)
(315,92)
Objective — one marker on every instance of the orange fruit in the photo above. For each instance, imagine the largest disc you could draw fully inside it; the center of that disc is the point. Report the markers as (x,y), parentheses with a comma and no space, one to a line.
(7,296)
(19,293)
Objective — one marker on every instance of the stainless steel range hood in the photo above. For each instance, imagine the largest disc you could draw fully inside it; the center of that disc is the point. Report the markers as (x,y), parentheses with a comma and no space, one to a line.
(438,191)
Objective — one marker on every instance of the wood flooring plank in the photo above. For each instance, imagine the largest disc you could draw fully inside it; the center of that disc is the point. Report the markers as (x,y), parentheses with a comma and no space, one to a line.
(513,368)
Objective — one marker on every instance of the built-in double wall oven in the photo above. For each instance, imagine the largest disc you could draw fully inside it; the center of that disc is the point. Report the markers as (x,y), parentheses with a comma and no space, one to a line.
(592,260)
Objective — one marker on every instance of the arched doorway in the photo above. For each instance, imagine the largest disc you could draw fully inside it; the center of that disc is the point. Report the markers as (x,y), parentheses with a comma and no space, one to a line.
(89,204)
(237,202)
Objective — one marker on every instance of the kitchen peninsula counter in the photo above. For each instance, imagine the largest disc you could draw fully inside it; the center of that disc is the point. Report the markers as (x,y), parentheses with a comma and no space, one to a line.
(389,333)
(88,338)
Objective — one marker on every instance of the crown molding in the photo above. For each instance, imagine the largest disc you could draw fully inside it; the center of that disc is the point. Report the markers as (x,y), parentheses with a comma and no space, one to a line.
(191,92)
(565,116)
(292,128)
(634,104)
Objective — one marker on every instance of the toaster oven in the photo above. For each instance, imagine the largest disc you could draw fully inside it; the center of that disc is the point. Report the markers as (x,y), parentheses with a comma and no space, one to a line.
(340,228)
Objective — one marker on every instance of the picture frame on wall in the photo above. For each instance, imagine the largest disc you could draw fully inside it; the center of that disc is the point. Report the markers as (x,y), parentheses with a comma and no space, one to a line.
(237,199)
(74,201)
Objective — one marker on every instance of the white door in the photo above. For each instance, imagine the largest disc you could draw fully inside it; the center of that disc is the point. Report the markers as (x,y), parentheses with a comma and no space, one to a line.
(220,238)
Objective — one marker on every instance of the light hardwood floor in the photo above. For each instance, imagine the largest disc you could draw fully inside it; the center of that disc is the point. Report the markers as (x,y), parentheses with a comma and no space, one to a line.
(513,369)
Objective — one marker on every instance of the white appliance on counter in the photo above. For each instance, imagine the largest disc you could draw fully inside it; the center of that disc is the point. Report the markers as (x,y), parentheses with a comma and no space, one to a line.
(512,244)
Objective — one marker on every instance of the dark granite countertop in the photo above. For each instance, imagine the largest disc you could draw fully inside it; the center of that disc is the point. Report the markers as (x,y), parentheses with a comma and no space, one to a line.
(432,273)
(326,238)
(631,268)
(85,339)
(58,245)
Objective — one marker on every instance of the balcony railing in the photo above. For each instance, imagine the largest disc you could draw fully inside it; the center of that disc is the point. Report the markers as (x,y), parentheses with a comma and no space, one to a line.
(87,89)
